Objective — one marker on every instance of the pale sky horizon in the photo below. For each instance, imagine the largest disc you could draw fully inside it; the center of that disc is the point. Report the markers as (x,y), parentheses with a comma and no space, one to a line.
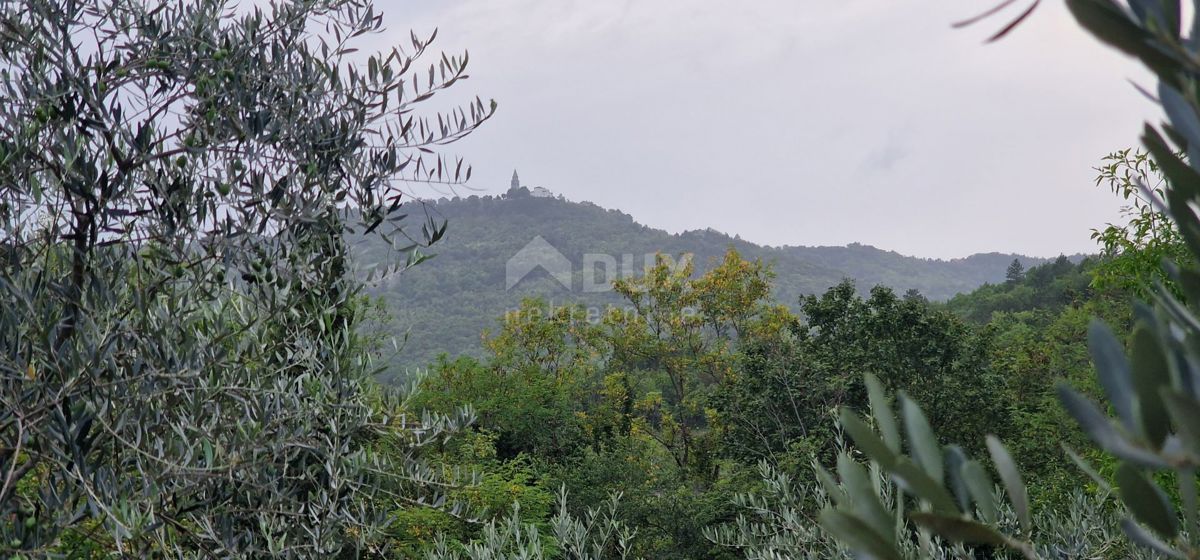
(798,123)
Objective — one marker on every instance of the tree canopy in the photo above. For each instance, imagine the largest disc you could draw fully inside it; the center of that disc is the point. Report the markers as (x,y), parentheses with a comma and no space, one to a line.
(181,371)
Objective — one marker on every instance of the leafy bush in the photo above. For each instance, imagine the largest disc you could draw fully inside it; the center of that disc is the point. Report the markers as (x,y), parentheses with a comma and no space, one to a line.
(1134,251)
(778,523)
(597,535)
(1152,388)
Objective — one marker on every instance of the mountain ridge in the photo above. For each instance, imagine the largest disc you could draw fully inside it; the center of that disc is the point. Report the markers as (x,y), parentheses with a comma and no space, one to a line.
(446,302)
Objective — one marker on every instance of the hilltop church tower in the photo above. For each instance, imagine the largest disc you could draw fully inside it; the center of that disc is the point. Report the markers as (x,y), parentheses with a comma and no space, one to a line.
(516,182)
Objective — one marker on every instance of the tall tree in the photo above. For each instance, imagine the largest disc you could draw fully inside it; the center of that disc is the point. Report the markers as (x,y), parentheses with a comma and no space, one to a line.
(777,406)
(1015,272)
(683,329)
(180,373)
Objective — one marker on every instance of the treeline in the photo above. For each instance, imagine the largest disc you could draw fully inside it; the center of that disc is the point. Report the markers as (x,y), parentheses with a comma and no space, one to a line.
(444,304)
(1041,418)
(674,399)
(188,359)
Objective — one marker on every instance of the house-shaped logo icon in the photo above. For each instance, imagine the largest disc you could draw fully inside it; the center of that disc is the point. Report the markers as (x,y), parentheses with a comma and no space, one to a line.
(538,253)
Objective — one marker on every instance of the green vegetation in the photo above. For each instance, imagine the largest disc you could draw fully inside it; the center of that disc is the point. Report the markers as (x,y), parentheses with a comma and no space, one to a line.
(190,357)
(1148,375)
(675,405)
(1137,250)
(182,372)
(443,305)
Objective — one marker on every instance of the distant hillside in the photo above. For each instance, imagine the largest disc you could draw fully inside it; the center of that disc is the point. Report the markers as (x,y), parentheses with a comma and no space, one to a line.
(936,279)
(445,303)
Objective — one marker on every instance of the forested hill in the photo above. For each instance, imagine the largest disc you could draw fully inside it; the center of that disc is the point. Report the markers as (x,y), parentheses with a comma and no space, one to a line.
(935,278)
(446,302)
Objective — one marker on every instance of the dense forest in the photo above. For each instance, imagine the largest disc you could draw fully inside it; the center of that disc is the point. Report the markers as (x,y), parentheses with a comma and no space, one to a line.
(678,415)
(443,305)
(206,240)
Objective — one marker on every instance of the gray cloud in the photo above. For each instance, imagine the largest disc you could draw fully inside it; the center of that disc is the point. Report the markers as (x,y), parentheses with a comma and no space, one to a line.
(891,150)
(758,118)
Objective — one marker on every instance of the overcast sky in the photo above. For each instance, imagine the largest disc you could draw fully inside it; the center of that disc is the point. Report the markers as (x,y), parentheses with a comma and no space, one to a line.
(799,122)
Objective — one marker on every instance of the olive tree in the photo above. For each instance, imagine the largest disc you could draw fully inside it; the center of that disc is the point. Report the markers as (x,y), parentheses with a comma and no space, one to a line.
(180,373)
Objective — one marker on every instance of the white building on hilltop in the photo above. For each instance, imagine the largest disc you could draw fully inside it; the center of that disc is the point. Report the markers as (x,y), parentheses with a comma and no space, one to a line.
(516,190)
